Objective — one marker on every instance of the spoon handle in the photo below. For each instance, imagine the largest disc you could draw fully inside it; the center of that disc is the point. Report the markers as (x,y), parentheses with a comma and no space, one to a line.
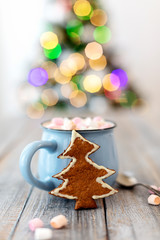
(150,188)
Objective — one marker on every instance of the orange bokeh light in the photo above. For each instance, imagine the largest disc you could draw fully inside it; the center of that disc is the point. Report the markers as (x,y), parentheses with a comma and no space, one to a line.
(78,98)
(108,84)
(93,50)
(98,64)
(98,17)
(60,78)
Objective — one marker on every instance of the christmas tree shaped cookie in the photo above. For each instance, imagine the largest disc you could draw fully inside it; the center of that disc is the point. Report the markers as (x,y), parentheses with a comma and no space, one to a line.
(82,178)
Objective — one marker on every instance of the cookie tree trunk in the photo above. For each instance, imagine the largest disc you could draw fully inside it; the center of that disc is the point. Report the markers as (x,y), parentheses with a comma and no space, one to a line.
(85,203)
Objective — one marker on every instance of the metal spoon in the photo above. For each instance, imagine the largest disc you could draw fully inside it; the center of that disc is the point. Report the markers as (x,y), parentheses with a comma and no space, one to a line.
(126,180)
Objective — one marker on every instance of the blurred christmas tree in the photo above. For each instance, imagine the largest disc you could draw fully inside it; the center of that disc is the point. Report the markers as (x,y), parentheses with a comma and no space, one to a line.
(78,68)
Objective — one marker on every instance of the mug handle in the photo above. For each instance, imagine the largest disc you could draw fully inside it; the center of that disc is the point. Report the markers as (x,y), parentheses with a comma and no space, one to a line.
(25,163)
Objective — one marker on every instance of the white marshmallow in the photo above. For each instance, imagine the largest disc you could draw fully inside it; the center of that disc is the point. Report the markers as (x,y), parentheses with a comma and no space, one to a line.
(87,121)
(43,233)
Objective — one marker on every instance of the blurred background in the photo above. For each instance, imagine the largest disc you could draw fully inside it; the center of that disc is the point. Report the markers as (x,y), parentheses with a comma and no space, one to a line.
(79,55)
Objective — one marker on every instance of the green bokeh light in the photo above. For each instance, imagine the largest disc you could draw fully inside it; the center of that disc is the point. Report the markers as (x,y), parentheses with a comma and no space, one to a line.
(53,53)
(78,80)
(74,27)
(102,34)
(130,99)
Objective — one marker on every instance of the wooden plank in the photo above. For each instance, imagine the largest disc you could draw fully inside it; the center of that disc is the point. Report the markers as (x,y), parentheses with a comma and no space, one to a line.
(13,190)
(128,214)
(130,217)
(83,224)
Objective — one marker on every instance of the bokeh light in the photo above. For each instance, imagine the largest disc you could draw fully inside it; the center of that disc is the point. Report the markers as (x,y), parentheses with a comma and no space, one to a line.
(78,98)
(78,81)
(49,40)
(35,111)
(122,75)
(129,99)
(37,77)
(67,89)
(50,67)
(72,64)
(92,83)
(75,38)
(93,50)
(53,53)
(74,28)
(49,97)
(111,82)
(114,95)
(98,64)
(60,78)
(102,34)
(78,59)
(68,67)
(28,93)
(87,17)
(98,17)
(82,8)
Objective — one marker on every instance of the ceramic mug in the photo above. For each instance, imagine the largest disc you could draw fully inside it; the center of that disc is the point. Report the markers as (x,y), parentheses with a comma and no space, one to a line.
(54,142)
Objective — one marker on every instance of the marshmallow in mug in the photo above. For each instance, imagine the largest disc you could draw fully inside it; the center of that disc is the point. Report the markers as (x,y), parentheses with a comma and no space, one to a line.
(78,123)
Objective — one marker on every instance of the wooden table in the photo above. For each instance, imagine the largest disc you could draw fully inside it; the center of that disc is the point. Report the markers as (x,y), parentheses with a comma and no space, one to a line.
(124,216)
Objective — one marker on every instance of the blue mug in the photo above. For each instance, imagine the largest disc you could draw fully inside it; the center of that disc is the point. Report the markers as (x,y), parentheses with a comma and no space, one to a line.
(53,143)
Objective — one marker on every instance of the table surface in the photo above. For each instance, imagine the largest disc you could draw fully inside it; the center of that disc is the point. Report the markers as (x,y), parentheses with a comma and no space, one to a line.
(123,216)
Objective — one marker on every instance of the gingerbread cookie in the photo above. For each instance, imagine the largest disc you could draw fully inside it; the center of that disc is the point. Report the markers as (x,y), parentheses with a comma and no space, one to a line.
(82,178)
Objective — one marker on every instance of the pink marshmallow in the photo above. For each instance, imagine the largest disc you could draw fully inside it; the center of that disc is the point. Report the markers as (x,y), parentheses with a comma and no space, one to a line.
(59,221)
(97,119)
(35,223)
(77,120)
(58,121)
(154,187)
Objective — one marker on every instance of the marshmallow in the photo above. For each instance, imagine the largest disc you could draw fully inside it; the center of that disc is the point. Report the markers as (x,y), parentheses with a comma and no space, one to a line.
(43,233)
(97,119)
(35,223)
(77,120)
(88,121)
(58,121)
(154,200)
(154,187)
(58,221)
(68,124)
